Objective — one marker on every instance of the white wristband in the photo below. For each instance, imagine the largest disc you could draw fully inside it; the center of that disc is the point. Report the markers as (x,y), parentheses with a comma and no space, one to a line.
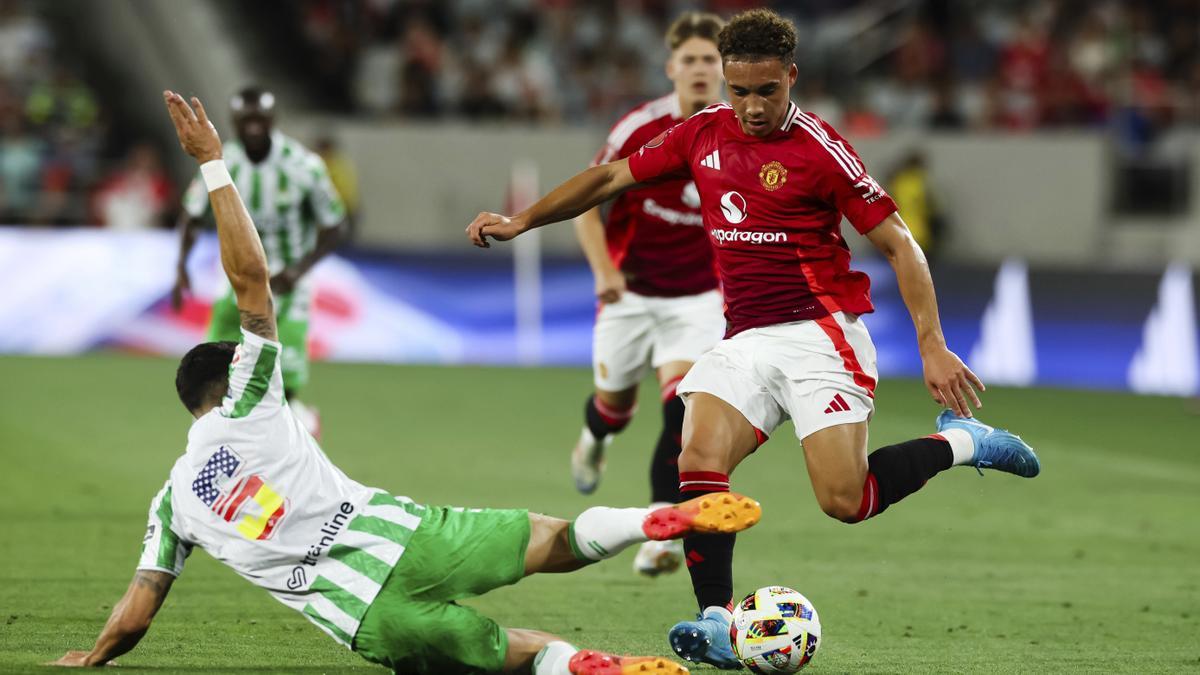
(216,174)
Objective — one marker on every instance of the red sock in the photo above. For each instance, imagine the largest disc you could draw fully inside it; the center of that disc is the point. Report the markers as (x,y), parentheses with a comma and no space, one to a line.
(696,483)
(870,499)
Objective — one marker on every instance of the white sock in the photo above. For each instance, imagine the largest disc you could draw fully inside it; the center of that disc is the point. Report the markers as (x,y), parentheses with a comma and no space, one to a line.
(553,659)
(602,532)
(961,444)
(720,611)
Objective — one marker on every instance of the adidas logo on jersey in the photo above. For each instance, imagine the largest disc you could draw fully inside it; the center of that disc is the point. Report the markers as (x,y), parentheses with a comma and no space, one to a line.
(712,160)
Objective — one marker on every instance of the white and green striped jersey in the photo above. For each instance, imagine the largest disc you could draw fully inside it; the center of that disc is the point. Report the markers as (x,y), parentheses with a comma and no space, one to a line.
(257,493)
(289,196)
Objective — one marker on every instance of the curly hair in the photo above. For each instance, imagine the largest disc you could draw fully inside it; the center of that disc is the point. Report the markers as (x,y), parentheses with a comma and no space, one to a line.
(757,35)
(693,24)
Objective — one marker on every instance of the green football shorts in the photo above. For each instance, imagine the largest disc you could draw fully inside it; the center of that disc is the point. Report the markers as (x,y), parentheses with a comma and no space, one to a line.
(414,625)
(292,323)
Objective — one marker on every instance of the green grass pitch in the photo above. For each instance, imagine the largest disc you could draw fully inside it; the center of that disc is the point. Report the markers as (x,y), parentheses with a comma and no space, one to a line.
(1092,567)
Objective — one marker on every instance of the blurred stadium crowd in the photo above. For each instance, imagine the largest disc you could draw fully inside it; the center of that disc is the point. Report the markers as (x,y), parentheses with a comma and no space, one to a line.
(60,162)
(1130,68)
(867,65)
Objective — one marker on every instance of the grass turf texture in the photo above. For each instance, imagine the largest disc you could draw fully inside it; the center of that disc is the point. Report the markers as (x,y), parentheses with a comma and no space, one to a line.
(1093,566)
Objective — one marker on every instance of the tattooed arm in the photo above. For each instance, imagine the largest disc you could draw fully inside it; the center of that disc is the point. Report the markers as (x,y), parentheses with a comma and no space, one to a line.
(242,253)
(129,621)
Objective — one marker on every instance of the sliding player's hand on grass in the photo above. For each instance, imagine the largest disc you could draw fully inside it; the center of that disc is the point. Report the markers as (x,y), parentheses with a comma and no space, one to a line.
(496,226)
(197,135)
(951,382)
(75,659)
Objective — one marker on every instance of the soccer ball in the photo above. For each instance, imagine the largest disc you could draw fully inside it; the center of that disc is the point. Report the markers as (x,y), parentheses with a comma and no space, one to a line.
(775,630)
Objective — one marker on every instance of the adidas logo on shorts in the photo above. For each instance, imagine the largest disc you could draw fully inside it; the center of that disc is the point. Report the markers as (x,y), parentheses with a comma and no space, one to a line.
(838,404)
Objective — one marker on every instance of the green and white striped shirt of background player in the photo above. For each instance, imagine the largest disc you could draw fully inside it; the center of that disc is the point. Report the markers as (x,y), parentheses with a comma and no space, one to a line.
(257,493)
(289,195)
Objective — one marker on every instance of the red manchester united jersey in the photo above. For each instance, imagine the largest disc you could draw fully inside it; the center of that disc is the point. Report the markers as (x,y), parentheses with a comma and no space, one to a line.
(772,208)
(655,234)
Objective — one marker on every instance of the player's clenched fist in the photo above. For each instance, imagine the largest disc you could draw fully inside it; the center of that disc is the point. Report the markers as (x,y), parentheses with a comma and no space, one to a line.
(197,135)
(494,225)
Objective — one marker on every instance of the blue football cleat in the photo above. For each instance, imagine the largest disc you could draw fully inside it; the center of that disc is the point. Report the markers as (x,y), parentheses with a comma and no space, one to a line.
(705,640)
(994,448)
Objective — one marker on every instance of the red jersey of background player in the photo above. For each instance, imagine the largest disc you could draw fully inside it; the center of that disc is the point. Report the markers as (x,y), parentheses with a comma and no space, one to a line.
(772,208)
(655,233)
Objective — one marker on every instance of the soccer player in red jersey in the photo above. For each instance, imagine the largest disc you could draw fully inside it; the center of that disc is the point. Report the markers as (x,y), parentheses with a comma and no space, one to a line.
(775,183)
(656,285)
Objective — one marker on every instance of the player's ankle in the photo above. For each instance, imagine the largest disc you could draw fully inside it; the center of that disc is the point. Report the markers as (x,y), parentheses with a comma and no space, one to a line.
(962,445)
(554,659)
(721,611)
(602,532)
(602,419)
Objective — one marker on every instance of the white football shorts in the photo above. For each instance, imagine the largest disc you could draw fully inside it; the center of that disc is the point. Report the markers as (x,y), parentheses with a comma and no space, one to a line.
(820,373)
(638,333)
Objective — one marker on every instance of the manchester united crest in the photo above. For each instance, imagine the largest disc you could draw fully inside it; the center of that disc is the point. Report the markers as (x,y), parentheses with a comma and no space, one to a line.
(772,176)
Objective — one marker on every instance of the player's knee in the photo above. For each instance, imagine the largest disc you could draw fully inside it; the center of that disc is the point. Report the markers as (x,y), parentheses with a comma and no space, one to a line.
(842,505)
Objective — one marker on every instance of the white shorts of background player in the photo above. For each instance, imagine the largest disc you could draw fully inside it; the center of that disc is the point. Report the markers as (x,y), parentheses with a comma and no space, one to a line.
(639,333)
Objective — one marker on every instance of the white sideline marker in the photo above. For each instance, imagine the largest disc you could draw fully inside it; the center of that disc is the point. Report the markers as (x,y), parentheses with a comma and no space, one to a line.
(527,265)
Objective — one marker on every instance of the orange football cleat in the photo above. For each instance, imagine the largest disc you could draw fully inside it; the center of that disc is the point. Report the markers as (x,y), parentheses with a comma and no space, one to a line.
(588,662)
(719,513)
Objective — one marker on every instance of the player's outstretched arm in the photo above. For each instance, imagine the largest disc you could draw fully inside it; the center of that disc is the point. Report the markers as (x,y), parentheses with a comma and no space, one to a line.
(242,253)
(129,621)
(578,194)
(948,379)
